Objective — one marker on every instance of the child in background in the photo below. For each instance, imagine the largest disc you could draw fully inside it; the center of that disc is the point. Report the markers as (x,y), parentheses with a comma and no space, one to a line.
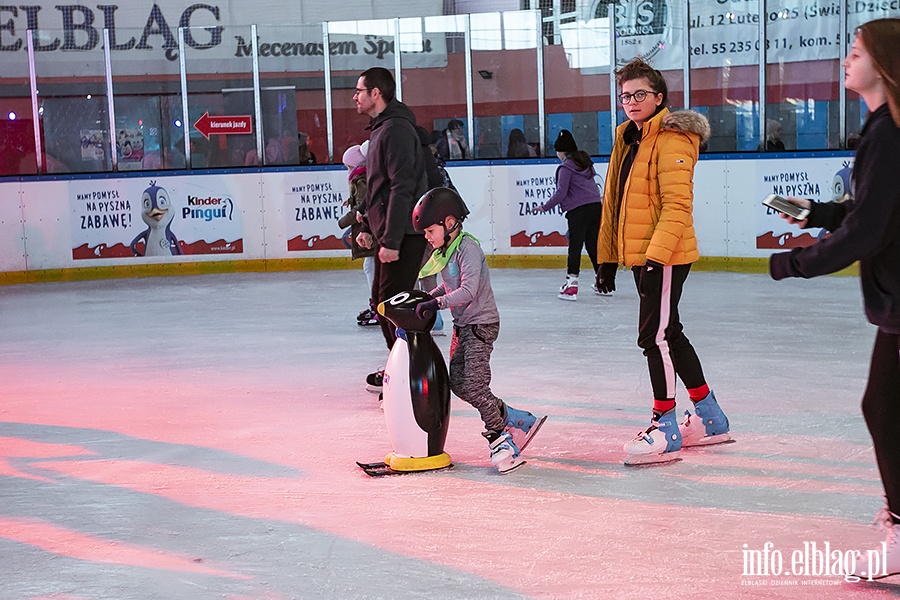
(466,291)
(577,194)
(355,160)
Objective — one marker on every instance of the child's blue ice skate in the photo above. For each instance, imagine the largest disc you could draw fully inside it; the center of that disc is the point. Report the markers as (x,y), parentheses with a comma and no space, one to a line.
(708,426)
(659,443)
(522,425)
(505,454)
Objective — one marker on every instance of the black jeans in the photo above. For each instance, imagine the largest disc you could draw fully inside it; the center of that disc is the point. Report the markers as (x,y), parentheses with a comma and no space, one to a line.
(584,229)
(395,277)
(881,409)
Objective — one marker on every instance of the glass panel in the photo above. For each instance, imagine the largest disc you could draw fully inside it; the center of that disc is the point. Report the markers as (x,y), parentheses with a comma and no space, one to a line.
(576,84)
(803,79)
(292,77)
(221,119)
(147,101)
(72,96)
(355,47)
(433,69)
(856,108)
(504,80)
(17,154)
(725,72)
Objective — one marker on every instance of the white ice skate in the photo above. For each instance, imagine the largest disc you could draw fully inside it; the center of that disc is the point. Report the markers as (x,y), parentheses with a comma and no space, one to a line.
(505,454)
(569,290)
(659,443)
(883,561)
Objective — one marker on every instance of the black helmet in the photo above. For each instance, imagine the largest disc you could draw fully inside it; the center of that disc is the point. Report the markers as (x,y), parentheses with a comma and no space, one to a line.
(437,204)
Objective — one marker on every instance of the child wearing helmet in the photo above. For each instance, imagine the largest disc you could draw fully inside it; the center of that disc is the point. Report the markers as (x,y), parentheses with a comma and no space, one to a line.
(466,290)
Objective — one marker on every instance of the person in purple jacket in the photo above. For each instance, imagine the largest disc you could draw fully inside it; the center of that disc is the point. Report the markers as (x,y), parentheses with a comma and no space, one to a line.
(578,195)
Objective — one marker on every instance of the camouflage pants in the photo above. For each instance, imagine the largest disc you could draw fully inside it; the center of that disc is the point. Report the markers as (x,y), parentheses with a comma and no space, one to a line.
(470,371)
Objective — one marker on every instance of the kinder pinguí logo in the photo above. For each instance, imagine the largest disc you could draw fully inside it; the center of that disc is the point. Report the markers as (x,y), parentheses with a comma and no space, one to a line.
(208,209)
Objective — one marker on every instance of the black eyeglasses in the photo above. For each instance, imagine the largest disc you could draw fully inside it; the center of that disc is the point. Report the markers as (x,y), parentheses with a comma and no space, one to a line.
(360,91)
(638,96)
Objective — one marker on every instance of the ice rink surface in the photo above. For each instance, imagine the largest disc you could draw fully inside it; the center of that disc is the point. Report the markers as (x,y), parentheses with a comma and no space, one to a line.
(196,438)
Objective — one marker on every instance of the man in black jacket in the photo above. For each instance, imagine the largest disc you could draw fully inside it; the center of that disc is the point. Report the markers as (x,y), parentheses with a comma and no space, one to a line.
(396,180)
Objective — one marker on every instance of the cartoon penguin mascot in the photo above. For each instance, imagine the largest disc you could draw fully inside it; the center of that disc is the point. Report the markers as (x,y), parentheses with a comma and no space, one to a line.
(416,391)
(841,190)
(842,185)
(157,214)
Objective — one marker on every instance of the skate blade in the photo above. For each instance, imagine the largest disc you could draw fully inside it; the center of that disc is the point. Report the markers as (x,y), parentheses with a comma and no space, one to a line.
(652,459)
(378,469)
(567,297)
(374,389)
(382,469)
(510,465)
(711,440)
(864,578)
(532,432)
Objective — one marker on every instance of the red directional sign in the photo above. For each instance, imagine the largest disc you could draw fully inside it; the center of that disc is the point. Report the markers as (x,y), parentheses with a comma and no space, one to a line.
(208,125)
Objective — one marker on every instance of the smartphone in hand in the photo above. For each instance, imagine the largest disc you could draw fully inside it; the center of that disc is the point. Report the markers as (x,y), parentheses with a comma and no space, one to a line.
(782,205)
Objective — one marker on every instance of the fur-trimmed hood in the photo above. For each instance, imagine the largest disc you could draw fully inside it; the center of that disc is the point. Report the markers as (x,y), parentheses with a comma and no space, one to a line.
(688,121)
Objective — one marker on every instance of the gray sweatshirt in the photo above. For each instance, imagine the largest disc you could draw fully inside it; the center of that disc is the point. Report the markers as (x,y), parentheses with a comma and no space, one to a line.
(466,287)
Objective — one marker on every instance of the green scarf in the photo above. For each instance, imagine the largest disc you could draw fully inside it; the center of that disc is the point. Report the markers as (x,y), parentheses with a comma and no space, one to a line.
(439,259)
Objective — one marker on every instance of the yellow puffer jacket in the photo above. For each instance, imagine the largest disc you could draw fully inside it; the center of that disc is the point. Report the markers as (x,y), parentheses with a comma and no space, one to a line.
(655,221)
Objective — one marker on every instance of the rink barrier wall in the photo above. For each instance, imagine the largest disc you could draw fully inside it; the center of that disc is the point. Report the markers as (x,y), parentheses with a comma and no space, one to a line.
(508,261)
(39,216)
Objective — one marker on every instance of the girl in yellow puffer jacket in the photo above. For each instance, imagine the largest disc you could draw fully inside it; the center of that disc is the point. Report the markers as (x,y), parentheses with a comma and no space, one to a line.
(648,226)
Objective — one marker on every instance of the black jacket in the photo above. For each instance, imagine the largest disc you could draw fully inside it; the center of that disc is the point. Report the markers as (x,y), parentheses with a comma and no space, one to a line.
(396,174)
(865,228)
(432,169)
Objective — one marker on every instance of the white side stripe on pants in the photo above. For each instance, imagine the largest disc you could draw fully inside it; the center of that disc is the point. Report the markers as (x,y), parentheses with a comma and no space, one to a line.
(665,309)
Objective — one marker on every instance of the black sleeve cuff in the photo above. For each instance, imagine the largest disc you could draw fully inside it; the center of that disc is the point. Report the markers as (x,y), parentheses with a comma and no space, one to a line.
(781,266)
(827,215)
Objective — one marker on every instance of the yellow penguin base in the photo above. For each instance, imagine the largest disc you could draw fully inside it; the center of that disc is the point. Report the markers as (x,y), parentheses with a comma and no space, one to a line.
(408,463)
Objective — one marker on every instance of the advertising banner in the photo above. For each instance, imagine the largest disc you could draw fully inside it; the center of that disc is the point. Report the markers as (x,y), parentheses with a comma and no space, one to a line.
(821,180)
(301,49)
(530,186)
(722,32)
(144,217)
(217,36)
(279,213)
(313,203)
